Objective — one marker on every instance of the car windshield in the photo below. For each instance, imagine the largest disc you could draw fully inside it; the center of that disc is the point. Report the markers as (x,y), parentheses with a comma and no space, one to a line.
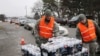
(31,21)
(74,18)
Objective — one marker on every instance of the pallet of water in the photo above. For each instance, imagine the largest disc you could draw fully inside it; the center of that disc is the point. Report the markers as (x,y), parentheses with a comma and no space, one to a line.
(60,42)
(30,50)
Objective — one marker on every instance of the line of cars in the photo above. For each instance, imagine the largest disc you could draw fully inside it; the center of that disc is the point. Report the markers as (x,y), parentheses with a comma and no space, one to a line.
(29,24)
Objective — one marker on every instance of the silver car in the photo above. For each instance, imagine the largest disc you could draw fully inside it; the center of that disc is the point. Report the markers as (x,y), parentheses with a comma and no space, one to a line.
(30,24)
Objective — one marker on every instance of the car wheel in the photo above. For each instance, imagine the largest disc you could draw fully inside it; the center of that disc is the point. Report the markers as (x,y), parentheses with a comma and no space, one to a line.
(32,32)
(69,25)
(25,27)
(29,28)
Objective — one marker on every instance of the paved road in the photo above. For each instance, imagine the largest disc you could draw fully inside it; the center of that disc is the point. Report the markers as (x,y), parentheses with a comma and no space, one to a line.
(72,32)
(10,38)
(11,35)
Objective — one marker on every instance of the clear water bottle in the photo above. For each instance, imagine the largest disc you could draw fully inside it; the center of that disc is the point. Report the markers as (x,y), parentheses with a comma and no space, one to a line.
(85,52)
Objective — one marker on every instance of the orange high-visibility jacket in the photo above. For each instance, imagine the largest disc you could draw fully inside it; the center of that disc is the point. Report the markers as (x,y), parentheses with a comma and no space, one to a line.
(46,30)
(88,33)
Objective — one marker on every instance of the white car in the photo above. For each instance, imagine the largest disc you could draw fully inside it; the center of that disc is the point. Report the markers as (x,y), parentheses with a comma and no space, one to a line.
(16,21)
(29,25)
(7,19)
(22,22)
(62,31)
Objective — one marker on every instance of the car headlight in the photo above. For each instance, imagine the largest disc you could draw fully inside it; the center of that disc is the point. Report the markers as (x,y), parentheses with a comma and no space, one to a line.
(31,25)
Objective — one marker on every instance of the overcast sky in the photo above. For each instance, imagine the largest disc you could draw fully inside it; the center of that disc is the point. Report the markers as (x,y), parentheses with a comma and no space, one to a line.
(16,7)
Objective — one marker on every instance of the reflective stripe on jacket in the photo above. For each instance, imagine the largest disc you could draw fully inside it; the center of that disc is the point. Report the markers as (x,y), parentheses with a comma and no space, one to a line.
(46,30)
(88,33)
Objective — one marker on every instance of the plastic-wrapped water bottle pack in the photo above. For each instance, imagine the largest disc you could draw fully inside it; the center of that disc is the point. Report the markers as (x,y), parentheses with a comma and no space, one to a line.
(84,52)
(59,42)
(30,50)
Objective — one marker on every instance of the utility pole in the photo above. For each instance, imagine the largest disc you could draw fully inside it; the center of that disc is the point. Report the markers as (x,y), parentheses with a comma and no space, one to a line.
(26,10)
(58,3)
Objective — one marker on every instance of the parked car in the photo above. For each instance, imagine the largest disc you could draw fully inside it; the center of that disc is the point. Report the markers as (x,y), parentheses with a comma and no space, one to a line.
(12,20)
(73,21)
(7,19)
(22,21)
(16,21)
(30,24)
(62,31)
(62,21)
(2,17)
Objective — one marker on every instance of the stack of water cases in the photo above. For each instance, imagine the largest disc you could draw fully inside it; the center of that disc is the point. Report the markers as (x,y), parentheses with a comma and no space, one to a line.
(66,46)
(84,52)
(30,50)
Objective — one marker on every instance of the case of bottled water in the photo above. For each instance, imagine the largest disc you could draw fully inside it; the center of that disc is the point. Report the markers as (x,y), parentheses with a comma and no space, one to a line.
(72,45)
(84,52)
(30,50)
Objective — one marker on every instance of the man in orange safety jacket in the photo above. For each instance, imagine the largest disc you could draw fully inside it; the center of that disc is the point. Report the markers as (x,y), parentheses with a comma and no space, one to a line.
(88,31)
(46,28)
